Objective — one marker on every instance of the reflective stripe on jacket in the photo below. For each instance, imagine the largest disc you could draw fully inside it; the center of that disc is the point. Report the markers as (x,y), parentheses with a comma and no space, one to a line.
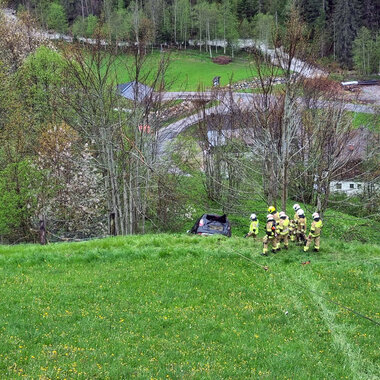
(316,228)
(270,229)
(302,224)
(284,226)
(254,227)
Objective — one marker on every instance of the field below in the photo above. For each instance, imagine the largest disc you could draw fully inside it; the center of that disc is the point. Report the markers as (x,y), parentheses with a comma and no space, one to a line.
(188,70)
(188,307)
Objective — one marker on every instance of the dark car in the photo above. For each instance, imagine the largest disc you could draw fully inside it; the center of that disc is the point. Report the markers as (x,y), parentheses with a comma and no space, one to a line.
(209,224)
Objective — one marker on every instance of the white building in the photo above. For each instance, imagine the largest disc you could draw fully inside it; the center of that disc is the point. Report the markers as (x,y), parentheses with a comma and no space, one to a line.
(352,187)
(347,187)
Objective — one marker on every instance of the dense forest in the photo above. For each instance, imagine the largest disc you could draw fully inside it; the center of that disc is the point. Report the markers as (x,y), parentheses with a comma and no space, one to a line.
(346,31)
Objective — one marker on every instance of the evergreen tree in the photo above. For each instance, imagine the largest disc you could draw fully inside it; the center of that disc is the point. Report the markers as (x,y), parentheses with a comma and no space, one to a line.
(310,10)
(247,9)
(346,18)
(370,14)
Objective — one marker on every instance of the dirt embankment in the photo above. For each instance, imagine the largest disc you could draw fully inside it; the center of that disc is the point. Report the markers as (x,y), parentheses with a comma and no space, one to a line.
(369,94)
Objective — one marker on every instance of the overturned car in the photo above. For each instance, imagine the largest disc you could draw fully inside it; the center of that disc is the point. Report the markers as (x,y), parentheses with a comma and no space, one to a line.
(209,224)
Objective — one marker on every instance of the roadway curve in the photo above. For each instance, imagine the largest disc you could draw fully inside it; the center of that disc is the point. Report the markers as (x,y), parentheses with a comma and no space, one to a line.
(242,99)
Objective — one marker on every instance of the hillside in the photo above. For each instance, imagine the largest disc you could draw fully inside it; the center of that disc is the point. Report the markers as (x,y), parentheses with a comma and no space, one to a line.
(187,307)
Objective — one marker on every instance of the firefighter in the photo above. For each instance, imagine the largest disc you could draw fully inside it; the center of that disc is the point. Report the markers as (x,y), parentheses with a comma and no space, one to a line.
(276,216)
(253,227)
(283,229)
(271,235)
(292,230)
(301,226)
(315,233)
(296,207)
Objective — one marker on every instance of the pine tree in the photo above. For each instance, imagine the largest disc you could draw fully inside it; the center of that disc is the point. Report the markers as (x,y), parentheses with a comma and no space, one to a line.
(346,17)
(370,14)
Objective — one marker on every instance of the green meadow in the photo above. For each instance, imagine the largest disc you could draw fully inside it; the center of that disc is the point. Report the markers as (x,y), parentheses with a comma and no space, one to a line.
(189,70)
(370,121)
(189,307)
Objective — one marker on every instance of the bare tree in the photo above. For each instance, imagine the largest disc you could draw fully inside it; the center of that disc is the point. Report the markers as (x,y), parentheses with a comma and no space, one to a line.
(123,140)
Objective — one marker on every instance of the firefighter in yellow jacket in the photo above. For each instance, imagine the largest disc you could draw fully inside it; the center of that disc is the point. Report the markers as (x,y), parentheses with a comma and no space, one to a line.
(301,226)
(276,216)
(271,235)
(296,207)
(293,236)
(292,230)
(253,227)
(283,231)
(315,233)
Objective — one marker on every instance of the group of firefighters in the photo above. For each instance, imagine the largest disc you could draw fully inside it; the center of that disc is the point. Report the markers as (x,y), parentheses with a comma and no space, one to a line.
(279,229)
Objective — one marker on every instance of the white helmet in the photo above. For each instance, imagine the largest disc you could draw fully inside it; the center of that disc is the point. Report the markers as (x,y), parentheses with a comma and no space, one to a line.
(253,217)
(315,215)
(282,214)
(270,217)
(296,207)
(300,212)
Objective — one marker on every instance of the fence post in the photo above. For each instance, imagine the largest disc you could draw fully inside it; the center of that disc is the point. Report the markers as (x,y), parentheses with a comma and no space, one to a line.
(42,230)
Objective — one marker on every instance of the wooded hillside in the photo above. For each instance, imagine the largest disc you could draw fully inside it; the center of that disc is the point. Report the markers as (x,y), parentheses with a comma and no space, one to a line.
(333,25)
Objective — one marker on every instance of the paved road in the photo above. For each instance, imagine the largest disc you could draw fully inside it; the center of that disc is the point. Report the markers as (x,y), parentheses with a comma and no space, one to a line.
(242,99)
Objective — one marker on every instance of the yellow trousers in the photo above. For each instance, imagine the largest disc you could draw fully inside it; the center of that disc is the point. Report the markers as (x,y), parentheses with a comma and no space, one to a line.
(269,240)
(310,238)
(283,238)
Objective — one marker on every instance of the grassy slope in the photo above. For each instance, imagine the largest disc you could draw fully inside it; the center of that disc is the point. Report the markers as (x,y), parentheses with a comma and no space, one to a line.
(187,307)
(190,71)
(337,225)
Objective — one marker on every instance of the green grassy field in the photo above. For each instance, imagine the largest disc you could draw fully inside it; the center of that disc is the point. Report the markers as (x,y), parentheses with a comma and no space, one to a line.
(190,70)
(188,307)
(370,121)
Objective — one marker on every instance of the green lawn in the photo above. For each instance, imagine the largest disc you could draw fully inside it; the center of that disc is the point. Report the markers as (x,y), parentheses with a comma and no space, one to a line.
(190,71)
(188,307)
(370,121)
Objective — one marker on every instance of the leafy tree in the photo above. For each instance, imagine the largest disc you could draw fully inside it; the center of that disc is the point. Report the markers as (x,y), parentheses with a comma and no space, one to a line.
(56,18)
(17,40)
(263,28)
(120,25)
(78,28)
(228,23)
(73,195)
(39,79)
(245,29)
(365,52)
(19,190)
(184,20)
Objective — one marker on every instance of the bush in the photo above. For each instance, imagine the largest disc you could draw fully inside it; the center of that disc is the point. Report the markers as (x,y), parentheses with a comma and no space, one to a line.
(222,60)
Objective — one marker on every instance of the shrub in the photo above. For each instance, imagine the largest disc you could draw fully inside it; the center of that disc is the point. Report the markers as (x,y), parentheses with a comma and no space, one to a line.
(222,60)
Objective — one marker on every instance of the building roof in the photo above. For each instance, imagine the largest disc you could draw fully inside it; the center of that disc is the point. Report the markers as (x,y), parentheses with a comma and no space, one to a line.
(134,90)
